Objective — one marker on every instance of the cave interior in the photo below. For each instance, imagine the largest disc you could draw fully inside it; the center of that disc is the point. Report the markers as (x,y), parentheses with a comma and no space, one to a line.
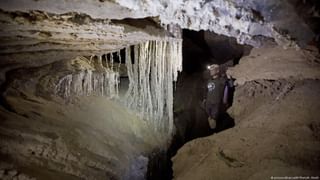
(117,89)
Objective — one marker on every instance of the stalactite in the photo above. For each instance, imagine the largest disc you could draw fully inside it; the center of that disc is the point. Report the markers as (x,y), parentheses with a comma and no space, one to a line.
(99,80)
(150,92)
(151,74)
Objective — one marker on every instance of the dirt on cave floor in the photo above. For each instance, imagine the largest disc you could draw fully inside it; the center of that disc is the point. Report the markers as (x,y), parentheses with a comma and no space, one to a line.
(90,138)
(277,124)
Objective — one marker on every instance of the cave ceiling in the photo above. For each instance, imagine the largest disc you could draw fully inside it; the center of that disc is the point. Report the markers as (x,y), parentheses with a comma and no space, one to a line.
(38,32)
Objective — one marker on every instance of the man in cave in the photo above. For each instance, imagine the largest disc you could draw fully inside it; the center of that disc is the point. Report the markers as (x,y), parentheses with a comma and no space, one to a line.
(218,93)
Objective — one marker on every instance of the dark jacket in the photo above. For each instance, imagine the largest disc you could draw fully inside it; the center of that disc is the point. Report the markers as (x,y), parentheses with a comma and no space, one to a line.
(215,93)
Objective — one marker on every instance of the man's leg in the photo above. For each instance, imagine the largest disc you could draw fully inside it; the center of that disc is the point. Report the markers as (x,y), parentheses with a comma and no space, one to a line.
(213,115)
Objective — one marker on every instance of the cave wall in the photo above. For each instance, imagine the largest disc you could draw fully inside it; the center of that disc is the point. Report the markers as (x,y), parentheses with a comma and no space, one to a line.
(57,119)
(39,39)
(61,120)
(276,63)
(276,135)
(276,132)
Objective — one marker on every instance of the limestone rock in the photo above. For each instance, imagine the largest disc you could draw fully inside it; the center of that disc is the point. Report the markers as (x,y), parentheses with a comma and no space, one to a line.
(251,22)
(276,63)
(271,137)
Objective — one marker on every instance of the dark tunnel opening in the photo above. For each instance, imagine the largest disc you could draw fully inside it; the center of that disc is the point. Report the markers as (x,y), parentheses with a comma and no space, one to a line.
(200,49)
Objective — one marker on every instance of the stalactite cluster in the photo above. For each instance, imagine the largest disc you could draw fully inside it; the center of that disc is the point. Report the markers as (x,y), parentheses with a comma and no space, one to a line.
(156,65)
(98,80)
(152,67)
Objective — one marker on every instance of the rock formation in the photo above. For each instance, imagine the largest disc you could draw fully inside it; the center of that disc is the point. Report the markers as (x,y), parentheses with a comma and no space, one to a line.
(87,86)
(276,123)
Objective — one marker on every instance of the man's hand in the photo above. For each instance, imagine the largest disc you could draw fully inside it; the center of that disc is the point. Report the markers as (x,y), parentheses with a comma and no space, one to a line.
(212,122)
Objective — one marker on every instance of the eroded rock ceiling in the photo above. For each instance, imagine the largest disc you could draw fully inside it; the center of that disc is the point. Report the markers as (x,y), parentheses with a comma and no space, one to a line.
(249,21)
(241,19)
(35,33)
